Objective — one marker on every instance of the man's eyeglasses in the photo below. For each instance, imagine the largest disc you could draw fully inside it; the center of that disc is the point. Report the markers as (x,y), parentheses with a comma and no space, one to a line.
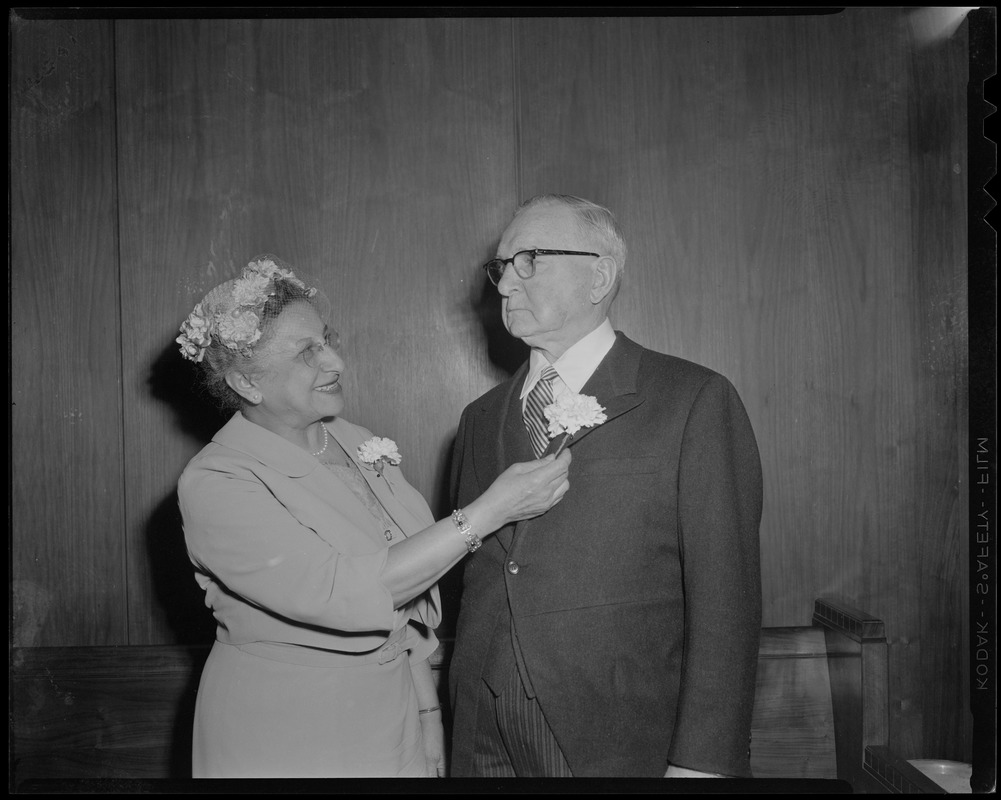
(524,263)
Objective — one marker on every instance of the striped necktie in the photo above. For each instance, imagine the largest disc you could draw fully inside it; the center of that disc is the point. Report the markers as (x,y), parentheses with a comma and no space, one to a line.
(535,421)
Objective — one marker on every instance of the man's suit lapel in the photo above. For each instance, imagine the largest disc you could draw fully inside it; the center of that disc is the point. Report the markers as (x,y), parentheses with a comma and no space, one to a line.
(613,385)
(500,437)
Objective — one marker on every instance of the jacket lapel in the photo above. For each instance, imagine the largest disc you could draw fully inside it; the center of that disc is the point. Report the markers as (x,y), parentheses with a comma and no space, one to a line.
(500,437)
(278,454)
(613,385)
(349,439)
(269,448)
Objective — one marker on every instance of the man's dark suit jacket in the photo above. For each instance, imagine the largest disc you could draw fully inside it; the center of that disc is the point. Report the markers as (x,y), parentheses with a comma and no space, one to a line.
(636,601)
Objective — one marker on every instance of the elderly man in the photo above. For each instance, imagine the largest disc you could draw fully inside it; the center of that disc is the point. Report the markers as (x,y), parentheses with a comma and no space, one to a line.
(616,634)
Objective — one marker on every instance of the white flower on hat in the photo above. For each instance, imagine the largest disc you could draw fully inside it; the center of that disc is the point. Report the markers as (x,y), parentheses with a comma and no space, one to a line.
(232,311)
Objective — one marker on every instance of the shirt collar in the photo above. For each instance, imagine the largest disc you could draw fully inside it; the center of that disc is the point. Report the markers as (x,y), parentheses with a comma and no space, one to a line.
(577,364)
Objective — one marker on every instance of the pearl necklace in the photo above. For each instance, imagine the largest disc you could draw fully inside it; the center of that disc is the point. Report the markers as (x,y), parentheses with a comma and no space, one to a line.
(326,441)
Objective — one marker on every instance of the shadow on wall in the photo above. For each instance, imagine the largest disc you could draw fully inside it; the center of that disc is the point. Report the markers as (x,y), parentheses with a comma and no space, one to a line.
(506,354)
(504,351)
(174,381)
(178,596)
(442,505)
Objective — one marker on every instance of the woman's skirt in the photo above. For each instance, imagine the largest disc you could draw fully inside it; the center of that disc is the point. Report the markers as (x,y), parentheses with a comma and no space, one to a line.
(281,711)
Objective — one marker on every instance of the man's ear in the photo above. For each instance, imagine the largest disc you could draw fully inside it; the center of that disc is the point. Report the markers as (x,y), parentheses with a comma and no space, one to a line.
(244,385)
(605,273)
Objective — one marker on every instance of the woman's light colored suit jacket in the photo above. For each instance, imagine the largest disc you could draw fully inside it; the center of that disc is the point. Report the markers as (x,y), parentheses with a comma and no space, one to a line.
(287,553)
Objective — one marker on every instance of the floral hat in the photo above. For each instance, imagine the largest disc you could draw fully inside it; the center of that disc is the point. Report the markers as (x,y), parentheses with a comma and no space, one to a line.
(233,311)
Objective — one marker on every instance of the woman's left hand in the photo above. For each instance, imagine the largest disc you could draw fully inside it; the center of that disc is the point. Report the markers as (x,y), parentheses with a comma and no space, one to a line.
(434,743)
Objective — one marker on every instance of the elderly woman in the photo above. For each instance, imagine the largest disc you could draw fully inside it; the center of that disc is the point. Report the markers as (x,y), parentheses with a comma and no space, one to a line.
(319,561)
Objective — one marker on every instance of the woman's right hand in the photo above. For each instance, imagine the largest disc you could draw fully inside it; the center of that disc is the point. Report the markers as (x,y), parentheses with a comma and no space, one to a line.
(528,489)
(522,491)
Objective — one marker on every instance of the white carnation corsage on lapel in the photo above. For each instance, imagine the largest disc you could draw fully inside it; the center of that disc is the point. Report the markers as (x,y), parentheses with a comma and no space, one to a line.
(571,412)
(377,452)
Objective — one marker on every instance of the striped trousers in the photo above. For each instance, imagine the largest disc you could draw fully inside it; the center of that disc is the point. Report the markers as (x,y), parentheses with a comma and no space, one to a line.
(516,741)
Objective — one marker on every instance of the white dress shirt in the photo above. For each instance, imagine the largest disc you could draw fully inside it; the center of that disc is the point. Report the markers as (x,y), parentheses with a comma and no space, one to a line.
(576,366)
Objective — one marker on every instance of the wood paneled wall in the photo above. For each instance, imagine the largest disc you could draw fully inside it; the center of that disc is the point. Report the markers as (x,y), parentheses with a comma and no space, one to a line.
(69,539)
(792,189)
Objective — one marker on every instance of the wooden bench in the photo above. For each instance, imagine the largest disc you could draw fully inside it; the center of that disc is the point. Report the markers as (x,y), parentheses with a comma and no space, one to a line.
(821,705)
(124,713)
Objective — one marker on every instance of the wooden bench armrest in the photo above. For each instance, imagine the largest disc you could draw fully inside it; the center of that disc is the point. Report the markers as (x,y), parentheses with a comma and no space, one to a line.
(849,621)
(896,775)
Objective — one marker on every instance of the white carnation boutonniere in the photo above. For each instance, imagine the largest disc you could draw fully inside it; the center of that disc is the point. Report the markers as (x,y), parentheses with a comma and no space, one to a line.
(377,452)
(571,412)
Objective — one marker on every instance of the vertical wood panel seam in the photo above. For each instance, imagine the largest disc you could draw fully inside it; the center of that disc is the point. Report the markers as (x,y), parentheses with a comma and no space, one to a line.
(516,102)
(123,530)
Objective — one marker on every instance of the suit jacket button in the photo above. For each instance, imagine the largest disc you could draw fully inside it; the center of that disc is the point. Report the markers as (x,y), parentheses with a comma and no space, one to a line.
(512,567)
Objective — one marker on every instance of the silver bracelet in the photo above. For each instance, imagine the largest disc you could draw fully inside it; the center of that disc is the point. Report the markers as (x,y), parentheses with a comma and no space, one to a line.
(472,540)
(428,710)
